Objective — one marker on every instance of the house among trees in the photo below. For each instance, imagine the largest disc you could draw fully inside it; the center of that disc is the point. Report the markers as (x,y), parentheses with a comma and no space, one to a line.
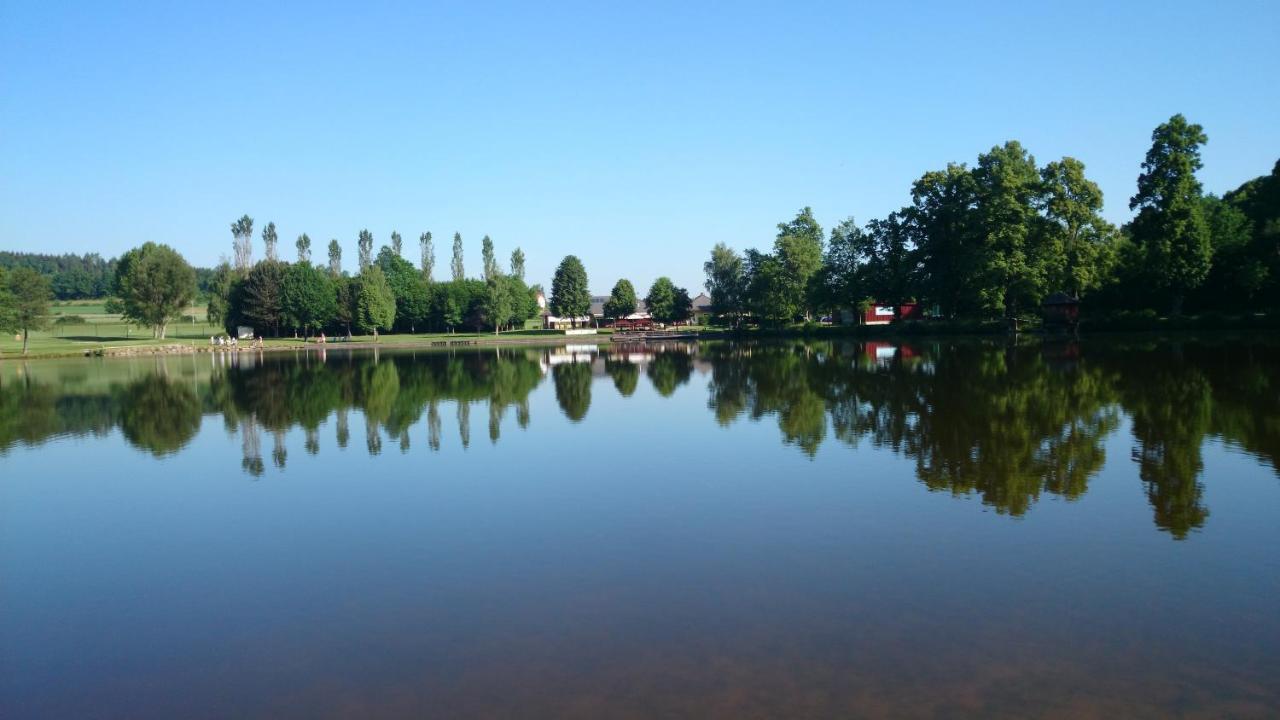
(555,322)
(1060,309)
(879,314)
(701,309)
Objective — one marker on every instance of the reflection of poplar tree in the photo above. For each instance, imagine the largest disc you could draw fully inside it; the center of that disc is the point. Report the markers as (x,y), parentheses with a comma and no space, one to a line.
(496,411)
(464,422)
(404,441)
(313,441)
(343,428)
(279,454)
(251,447)
(373,440)
(522,413)
(433,425)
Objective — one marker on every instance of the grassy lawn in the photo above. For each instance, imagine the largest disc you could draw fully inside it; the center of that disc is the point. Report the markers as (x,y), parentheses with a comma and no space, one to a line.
(76,339)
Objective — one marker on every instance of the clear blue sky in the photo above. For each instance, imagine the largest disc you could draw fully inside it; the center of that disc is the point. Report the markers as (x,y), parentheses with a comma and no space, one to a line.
(635,137)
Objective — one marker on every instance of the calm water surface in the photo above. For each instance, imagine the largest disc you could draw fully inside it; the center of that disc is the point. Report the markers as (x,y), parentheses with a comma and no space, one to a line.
(933,529)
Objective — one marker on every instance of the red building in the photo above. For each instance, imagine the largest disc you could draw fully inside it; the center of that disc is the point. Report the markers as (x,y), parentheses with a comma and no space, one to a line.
(879,314)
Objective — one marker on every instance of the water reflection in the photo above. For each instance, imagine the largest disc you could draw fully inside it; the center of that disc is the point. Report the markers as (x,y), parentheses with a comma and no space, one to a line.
(1007,423)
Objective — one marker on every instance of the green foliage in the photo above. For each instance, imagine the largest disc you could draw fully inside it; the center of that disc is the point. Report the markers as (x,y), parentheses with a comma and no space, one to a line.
(71,277)
(397,244)
(573,389)
(726,282)
(269,241)
(570,295)
(666,302)
(499,304)
(622,300)
(219,306)
(517,264)
(1170,226)
(490,259)
(375,302)
(308,298)
(260,300)
(455,265)
(114,306)
(155,284)
(335,257)
(364,248)
(304,248)
(428,250)
(798,249)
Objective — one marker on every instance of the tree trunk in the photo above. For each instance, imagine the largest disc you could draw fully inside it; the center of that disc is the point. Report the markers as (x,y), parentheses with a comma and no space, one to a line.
(25,333)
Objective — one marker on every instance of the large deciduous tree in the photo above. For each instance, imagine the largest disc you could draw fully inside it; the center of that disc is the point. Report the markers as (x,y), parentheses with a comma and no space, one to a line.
(727,282)
(570,296)
(24,302)
(375,302)
(308,298)
(155,284)
(622,300)
(1072,211)
(220,289)
(1013,263)
(666,302)
(798,248)
(1170,226)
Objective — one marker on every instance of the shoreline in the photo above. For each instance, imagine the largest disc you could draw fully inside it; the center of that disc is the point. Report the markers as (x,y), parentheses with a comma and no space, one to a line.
(444,342)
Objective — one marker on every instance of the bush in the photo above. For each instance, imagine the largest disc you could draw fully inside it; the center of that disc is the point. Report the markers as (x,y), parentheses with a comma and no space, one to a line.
(69,320)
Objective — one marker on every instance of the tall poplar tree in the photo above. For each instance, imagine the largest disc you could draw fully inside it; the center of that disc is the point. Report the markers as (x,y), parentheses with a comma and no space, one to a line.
(242,243)
(269,241)
(428,248)
(304,248)
(490,260)
(456,265)
(335,257)
(364,246)
(517,264)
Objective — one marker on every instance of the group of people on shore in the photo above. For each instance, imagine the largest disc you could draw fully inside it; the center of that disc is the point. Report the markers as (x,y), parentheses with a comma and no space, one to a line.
(234,343)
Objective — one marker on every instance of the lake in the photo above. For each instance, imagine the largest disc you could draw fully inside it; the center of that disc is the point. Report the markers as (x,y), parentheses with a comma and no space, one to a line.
(825,529)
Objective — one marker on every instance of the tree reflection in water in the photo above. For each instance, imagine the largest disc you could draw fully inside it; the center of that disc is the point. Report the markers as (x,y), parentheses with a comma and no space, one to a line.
(1006,422)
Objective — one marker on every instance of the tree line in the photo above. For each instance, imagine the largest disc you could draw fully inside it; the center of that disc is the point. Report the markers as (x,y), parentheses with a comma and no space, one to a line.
(995,239)
(387,293)
(71,277)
